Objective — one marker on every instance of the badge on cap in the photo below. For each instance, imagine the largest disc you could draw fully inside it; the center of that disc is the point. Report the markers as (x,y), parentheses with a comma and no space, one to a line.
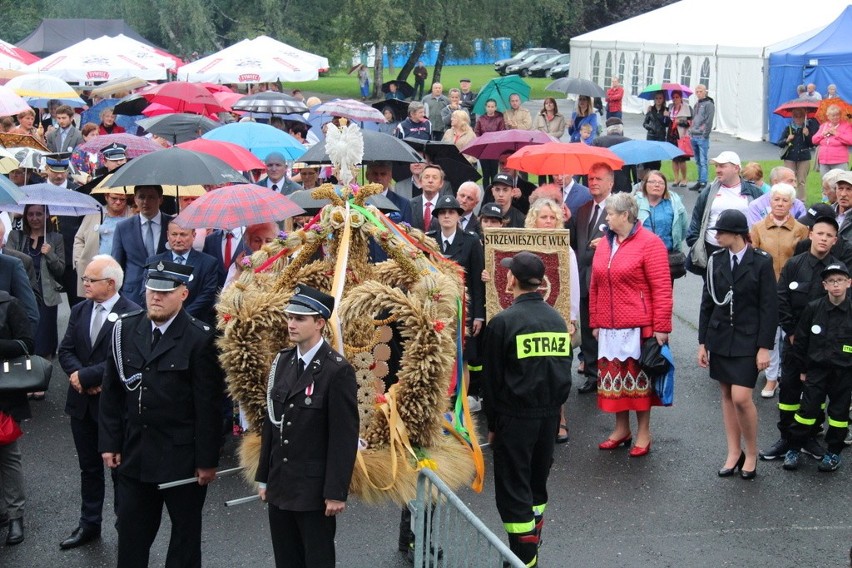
(161,266)
(816,330)
(793,285)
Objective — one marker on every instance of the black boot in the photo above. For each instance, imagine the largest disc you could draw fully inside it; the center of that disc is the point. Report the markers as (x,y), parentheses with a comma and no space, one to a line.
(525,547)
(16,531)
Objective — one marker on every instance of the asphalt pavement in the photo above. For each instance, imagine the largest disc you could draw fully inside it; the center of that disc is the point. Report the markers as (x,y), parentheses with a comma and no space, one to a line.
(605,510)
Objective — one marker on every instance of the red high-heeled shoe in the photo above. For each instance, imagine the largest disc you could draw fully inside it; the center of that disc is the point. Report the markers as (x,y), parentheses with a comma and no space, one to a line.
(610,444)
(638,451)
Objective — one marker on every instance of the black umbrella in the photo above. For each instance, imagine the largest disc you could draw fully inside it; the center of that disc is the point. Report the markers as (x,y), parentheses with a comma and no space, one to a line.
(398,107)
(457,169)
(270,102)
(378,147)
(303,199)
(175,166)
(131,105)
(179,127)
(576,86)
(402,88)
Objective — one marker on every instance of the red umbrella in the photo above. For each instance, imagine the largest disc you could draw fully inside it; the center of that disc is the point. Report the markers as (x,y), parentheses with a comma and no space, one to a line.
(235,156)
(235,206)
(786,109)
(228,99)
(136,145)
(184,97)
(492,145)
(215,88)
(560,158)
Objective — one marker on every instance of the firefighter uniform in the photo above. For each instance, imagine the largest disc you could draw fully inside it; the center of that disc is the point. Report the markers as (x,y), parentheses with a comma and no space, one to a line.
(526,379)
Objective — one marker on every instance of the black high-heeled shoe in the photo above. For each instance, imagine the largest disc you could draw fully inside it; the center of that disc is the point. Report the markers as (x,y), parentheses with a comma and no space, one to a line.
(729,471)
(748,475)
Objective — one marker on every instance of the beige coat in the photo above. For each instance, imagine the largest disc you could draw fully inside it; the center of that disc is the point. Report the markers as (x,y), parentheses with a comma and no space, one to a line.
(517,119)
(87,244)
(778,240)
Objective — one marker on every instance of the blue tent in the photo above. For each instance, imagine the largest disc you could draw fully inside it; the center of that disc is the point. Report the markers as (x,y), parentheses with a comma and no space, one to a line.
(823,59)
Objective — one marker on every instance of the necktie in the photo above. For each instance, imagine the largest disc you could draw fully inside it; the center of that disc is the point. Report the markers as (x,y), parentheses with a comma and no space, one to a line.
(229,237)
(735,265)
(274,187)
(594,218)
(427,215)
(179,259)
(97,322)
(156,337)
(149,238)
(301,366)
(63,134)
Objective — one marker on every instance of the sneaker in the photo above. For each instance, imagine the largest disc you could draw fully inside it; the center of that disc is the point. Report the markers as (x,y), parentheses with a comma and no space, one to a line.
(791,460)
(830,462)
(813,449)
(777,450)
(474,404)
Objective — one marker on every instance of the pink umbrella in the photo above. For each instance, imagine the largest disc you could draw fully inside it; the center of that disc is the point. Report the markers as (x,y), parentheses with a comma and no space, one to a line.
(235,156)
(216,88)
(11,103)
(351,109)
(156,109)
(492,145)
(227,99)
(184,97)
(136,145)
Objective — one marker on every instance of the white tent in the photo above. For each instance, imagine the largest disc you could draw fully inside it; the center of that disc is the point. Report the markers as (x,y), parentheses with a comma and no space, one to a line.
(255,61)
(723,44)
(101,59)
(12,57)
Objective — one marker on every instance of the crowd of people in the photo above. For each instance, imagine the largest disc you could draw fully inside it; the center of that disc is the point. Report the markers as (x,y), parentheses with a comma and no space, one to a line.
(142,292)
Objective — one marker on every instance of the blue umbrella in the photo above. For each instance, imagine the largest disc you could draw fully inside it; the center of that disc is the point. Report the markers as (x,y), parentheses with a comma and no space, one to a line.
(641,151)
(10,194)
(259,139)
(60,200)
(500,89)
(94,112)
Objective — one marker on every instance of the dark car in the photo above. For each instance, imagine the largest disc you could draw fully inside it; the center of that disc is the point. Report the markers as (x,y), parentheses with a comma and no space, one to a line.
(540,68)
(558,71)
(522,67)
(500,66)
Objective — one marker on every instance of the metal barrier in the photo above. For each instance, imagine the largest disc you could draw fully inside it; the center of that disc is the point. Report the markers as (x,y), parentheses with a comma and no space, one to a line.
(448,534)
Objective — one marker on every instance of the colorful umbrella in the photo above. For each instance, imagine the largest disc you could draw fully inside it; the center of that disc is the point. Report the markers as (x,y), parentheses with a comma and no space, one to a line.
(215,88)
(235,156)
(560,158)
(786,109)
(492,145)
(351,109)
(136,145)
(667,88)
(10,102)
(641,151)
(37,90)
(845,110)
(259,139)
(237,206)
(175,166)
(184,97)
(271,103)
(576,86)
(500,89)
(177,128)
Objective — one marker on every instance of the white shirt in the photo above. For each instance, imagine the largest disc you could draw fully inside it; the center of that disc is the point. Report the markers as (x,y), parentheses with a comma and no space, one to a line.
(738,255)
(449,240)
(165,325)
(235,242)
(308,356)
(108,306)
(726,198)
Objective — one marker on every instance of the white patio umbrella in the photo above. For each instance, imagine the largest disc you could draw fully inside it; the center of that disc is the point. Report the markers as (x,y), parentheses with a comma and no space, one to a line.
(100,59)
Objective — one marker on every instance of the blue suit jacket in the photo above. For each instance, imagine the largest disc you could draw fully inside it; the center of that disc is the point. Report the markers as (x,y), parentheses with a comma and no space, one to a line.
(129,250)
(13,279)
(203,286)
(213,247)
(577,197)
(78,354)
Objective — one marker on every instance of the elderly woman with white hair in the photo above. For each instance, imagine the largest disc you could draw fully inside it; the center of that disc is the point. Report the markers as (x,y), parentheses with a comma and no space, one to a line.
(833,140)
(778,233)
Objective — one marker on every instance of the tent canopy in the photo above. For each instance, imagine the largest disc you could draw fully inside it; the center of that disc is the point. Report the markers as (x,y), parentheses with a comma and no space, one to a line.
(823,59)
(12,57)
(727,51)
(55,35)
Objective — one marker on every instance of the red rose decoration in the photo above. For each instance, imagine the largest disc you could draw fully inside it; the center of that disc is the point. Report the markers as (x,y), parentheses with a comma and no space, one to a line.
(439,326)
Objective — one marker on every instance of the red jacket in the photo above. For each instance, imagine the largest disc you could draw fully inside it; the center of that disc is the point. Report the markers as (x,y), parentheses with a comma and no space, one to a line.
(613,99)
(635,288)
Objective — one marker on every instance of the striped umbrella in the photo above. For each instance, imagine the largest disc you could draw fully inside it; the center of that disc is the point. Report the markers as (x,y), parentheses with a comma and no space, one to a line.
(237,206)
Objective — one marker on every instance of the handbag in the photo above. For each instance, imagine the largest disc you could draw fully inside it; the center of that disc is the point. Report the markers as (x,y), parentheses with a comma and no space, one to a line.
(677,264)
(684,143)
(663,385)
(651,358)
(9,429)
(27,373)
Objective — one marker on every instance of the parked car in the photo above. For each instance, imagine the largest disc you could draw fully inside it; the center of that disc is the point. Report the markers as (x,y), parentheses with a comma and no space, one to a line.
(522,67)
(540,68)
(558,71)
(500,66)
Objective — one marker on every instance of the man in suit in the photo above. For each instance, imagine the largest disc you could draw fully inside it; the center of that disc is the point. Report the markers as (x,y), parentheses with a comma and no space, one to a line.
(65,137)
(469,196)
(67,225)
(140,237)
(276,175)
(225,246)
(82,355)
(309,438)
(381,173)
(161,420)
(205,272)
(574,194)
(432,180)
(586,232)
(13,279)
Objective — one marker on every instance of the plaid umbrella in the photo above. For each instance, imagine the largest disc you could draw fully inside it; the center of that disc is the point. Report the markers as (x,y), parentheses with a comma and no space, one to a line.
(351,109)
(237,206)
(136,145)
(175,166)
(492,145)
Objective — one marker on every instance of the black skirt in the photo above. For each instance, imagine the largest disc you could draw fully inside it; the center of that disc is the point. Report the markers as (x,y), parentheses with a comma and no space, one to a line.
(740,371)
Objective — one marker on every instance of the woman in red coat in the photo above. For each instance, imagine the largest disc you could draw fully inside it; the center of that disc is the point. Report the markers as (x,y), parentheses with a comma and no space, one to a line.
(630,300)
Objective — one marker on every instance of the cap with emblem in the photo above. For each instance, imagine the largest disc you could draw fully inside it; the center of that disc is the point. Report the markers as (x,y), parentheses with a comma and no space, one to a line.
(115,152)
(731,221)
(527,267)
(447,202)
(310,302)
(491,210)
(57,162)
(501,179)
(822,212)
(834,268)
(167,276)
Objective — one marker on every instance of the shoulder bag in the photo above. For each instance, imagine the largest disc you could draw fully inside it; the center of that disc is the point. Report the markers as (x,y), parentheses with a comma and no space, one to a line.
(27,373)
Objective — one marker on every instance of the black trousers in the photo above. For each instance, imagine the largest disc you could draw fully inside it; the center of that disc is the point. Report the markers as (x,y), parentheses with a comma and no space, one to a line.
(92,485)
(140,510)
(69,282)
(790,394)
(589,345)
(836,383)
(302,539)
(490,168)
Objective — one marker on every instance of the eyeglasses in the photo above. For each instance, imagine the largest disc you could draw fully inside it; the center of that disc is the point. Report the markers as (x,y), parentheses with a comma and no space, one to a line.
(836,281)
(87,280)
(655,182)
(111,198)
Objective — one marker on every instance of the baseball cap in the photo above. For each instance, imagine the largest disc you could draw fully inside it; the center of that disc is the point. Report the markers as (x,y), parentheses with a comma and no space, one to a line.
(491,210)
(834,268)
(845,177)
(817,212)
(727,157)
(527,267)
(503,179)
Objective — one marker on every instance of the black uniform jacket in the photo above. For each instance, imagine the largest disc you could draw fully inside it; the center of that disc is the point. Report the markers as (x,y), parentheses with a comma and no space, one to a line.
(466,251)
(824,335)
(171,423)
(799,284)
(310,459)
(739,330)
(78,354)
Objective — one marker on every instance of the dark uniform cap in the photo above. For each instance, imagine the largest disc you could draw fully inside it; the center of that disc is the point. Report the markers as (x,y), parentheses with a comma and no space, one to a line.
(818,211)
(731,221)
(167,276)
(503,179)
(834,268)
(527,267)
(56,164)
(115,152)
(310,302)
(491,210)
(447,202)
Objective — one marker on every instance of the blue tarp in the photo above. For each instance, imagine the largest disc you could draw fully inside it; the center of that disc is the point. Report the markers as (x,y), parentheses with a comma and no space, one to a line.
(823,59)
